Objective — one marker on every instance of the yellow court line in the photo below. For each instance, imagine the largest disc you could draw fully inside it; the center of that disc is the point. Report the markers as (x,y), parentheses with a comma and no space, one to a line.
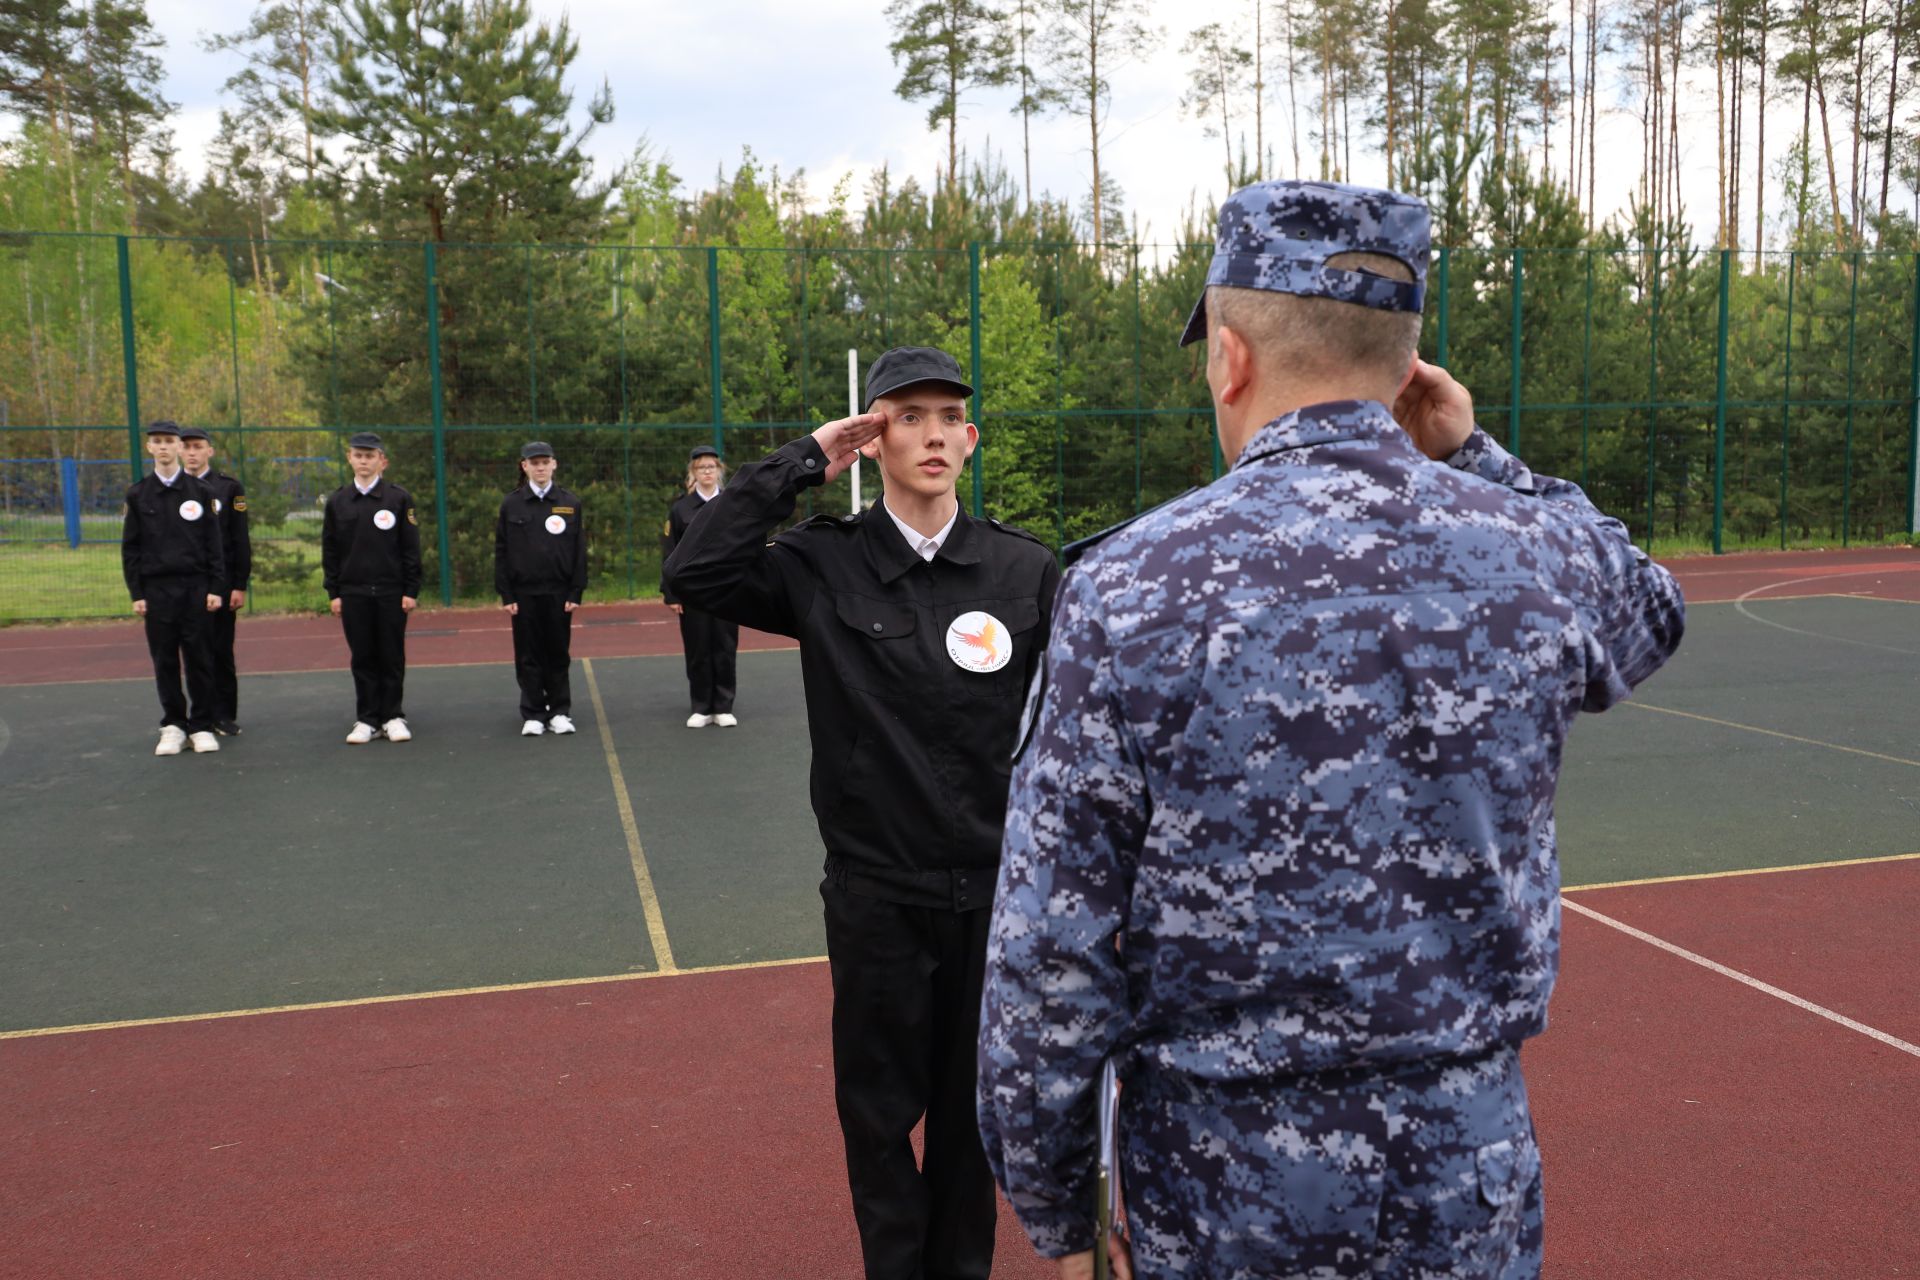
(1745,871)
(1775,733)
(642,878)
(356,1002)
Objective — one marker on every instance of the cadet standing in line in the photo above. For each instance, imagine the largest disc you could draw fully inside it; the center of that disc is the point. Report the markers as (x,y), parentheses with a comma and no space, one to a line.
(236,541)
(370,560)
(540,572)
(918,628)
(1280,839)
(171,554)
(709,642)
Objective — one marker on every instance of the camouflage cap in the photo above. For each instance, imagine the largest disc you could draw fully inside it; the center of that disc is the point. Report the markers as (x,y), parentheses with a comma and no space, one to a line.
(1279,235)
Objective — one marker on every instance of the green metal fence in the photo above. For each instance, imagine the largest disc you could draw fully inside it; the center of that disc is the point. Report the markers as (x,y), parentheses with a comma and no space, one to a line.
(1709,399)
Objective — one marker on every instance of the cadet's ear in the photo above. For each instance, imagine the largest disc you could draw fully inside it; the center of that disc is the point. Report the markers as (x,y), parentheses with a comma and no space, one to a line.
(973,442)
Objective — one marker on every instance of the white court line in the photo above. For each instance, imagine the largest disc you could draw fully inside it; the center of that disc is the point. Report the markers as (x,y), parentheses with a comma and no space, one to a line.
(1740,605)
(1737,976)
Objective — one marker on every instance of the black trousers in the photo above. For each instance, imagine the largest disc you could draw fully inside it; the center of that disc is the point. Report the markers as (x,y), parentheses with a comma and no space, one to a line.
(542,656)
(906,1019)
(178,635)
(376,628)
(710,644)
(226,676)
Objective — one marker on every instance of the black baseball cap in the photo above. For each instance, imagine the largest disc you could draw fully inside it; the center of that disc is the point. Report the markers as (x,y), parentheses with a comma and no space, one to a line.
(536,449)
(195,433)
(700,451)
(163,427)
(904,366)
(365,440)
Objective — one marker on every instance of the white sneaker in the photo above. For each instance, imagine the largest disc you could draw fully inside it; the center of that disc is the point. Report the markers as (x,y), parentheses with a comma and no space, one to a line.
(532,729)
(726,720)
(561,724)
(203,742)
(698,721)
(396,730)
(172,738)
(361,732)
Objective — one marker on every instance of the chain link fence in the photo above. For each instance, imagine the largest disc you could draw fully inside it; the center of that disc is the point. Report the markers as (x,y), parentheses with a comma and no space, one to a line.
(1711,400)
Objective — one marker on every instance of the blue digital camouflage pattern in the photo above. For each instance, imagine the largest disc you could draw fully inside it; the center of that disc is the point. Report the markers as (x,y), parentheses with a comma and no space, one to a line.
(1430,1173)
(1279,235)
(1286,803)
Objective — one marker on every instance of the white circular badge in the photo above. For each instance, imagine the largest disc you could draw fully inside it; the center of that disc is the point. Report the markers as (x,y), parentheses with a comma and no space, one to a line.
(191,510)
(217,508)
(979,642)
(383,519)
(556,524)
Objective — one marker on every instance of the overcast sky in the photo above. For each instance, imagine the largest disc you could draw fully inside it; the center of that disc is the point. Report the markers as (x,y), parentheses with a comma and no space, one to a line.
(809,85)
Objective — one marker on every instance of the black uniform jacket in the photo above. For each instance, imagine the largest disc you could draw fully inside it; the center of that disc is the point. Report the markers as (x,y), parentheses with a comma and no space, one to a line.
(540,546)
(236,540)
(679,516)
(911,751)
(171,531)
(370,543)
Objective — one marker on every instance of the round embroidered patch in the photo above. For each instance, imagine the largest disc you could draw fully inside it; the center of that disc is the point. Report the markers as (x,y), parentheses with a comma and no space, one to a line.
(217,508)
(979,642)
(383,519)
(191,510)
(556,524)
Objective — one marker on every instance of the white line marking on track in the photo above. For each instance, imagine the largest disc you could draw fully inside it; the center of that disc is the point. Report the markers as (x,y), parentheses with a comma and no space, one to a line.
(1788,996)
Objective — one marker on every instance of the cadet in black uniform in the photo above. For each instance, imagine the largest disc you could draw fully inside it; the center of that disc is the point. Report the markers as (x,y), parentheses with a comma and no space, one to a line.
(171,555)
(919,628)
(540,571)
(370,559)
(236,543)
(709,642)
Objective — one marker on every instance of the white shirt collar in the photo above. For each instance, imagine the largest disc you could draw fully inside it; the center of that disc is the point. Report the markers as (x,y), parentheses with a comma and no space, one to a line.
(539,491)
(366,488)
(703,495)
(168,480)
(923,546)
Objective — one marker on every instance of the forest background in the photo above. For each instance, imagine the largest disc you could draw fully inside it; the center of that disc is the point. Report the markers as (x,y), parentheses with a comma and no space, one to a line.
(400,225)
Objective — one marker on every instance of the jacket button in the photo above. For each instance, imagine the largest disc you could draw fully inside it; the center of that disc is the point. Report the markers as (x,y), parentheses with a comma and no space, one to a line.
(809,464)
(876,626)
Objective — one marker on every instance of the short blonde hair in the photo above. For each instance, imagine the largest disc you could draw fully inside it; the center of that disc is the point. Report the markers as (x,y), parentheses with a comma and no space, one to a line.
(1322,337)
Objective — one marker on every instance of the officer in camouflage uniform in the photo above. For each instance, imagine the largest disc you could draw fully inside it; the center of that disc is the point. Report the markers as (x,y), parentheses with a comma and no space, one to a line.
(1280,837)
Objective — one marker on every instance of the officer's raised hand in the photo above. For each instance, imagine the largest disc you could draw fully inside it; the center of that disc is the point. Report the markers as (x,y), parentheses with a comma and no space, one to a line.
(1435,410)
(842,440)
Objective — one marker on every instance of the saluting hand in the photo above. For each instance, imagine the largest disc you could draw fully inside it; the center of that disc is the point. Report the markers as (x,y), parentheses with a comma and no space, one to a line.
(1435,410)
(842,440)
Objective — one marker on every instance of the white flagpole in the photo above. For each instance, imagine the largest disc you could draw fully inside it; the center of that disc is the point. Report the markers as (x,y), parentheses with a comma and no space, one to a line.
(853,407)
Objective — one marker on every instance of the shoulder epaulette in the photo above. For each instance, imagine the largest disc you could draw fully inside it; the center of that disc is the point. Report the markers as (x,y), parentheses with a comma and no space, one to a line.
(1074,550)
(1016,531)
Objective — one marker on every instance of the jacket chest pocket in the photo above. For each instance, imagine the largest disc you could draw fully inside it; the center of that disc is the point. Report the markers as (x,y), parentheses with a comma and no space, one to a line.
(990,643)
(876,648)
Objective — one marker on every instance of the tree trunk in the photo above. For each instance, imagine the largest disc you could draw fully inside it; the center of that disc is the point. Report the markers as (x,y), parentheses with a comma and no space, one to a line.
(1840,232)
(1293,103)
(1260,95)
(1760,147)
(1893,97)
(1859,99)
(1720,115)
(1093,128)
(1392,15)
(1593,127)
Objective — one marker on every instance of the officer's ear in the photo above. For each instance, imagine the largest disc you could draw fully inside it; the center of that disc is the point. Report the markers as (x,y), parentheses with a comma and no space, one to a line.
(973,442)
(1232,360)
(1406,379)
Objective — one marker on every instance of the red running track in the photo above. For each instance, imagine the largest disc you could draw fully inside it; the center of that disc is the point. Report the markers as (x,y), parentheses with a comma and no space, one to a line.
(280,643)
(683,1127)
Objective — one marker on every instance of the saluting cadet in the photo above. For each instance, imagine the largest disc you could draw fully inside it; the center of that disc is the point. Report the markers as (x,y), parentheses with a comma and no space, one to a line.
(1280,839)
(540,571)
(709,642)
(918,627)
(236,542)
(171,555)
(370,561)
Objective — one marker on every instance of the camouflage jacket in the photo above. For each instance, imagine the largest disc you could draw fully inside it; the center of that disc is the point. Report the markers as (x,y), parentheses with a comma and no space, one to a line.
(1284,803)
